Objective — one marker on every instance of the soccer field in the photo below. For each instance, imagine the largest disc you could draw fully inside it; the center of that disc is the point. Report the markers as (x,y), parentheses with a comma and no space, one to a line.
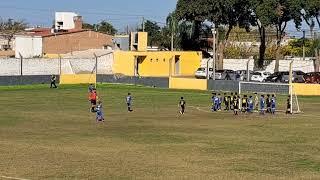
(50,134)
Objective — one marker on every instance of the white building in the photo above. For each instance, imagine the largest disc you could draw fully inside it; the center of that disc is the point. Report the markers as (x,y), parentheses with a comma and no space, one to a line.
(65,20)
(28,46)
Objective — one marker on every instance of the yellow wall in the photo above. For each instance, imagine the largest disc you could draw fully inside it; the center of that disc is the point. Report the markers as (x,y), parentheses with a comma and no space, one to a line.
(142,41)
(156,63)
(307,89)
(188,83)
(77,78)
(123,63)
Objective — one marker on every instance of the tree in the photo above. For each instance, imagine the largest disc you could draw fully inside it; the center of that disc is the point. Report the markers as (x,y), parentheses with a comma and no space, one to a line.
(10,27)
(226,13)
(154,33)
(278,13)
(310,13)
(88,26)
(105,27)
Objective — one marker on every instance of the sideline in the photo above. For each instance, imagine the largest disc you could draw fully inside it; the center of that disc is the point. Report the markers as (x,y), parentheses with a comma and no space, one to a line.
(15,178)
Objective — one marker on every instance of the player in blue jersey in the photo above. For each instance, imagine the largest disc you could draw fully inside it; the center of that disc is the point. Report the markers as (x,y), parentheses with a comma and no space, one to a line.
(250,104)
(273,104)
(262,105)
(129,102)
(99,113)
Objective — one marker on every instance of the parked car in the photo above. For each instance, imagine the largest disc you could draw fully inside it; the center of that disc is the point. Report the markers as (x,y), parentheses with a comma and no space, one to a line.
(313,78)
(297,77)
(283,77)
(276,77)
(225,74)
(201,73)
(259,76)
(241,75)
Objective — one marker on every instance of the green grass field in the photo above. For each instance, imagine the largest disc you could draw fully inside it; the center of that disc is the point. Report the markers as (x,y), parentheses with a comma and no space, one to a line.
(50,134)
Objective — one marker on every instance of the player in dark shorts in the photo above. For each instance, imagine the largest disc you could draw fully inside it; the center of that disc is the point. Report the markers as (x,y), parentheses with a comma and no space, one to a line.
(273,104)
(244,104)
(53,81)
(226,102)
(182,105)
(129,102)
(262,105)
(288,105)
(235,105)
(268,103)
(231,101)
(93,99)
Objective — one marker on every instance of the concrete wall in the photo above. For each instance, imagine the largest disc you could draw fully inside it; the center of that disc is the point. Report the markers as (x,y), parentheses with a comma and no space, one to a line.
(25,80)
(241,64)
(271,88)
(188,83)
(156,64)
(307,89)
(65,43)
(222,85)
(77,79)
(11,67)
(28,46)
(161,82)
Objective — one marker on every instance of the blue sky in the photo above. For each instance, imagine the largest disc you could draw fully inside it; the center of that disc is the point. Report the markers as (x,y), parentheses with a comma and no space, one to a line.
(119,12)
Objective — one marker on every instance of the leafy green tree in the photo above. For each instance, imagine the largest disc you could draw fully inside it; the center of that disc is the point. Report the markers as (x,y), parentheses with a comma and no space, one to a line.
(88,26)
(228,13)
(105,27)
(154,33)
(278,13)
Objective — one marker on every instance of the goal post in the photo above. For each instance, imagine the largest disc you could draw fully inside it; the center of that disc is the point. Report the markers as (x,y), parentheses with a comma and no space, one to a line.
(281,89)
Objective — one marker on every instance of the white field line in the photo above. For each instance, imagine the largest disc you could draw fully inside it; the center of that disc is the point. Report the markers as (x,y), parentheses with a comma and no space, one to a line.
(14,178)
(199,109)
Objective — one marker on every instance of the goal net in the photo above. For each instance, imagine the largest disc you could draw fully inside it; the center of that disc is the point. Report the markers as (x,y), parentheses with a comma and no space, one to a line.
(286,91)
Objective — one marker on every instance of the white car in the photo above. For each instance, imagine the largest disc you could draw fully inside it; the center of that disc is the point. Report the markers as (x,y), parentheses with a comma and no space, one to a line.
(201,73)
(259,76)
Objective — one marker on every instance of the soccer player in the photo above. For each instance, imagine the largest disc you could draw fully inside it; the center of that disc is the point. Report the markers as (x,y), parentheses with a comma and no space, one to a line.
(90,88)
(53,81)
(225,101)
(93,99)
(99,113)
(273,104)
(288,105)
(244,103)
(235,105)
(256,102)
(129,102)
(182,105)
(219,102)
(250,104)
(268,102)
(231,101)
(212,101)
(262,105)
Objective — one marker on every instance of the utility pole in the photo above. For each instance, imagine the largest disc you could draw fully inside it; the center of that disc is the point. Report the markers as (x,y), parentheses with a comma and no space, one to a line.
(304,49)
(172,31)
(142,24)
(96,73)
(213,52)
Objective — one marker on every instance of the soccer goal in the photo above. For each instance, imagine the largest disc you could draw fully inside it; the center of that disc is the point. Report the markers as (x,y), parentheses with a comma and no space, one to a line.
(273,88)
